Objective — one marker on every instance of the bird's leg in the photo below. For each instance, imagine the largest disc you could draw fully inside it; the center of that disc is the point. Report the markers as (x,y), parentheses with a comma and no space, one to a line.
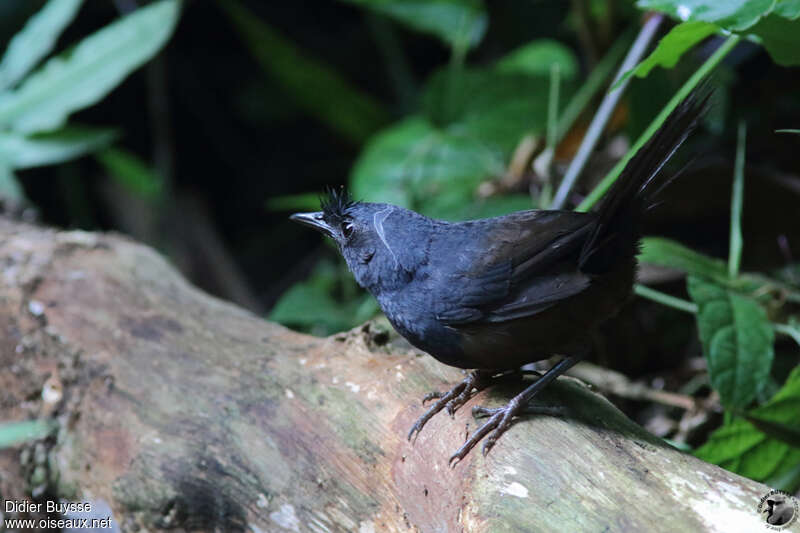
(500,418)
(453,399)
(550,410)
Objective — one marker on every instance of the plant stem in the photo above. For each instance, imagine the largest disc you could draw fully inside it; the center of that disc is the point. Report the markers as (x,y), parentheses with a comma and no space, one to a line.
(735,252)
(455,69)
(594,82)
(607,107)
(552,107)
(679,96)
(664,299)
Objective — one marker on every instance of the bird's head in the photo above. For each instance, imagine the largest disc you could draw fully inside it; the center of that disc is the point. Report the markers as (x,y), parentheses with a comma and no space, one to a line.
(382,244)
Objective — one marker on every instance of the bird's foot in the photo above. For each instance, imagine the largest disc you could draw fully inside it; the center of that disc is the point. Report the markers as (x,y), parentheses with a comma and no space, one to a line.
(451,400)
(500,418)
(499,421)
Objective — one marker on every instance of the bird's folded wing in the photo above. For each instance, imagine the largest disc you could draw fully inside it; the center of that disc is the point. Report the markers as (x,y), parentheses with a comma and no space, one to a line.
(527,263)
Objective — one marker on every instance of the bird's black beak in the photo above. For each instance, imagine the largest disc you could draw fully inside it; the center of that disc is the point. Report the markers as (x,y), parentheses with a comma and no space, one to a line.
(313,220)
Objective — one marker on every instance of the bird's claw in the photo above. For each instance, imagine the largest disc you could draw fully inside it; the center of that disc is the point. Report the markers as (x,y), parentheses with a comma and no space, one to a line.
(462,398)
(480,411)
(450,401)
(499,422)
(500,418)
(431,396)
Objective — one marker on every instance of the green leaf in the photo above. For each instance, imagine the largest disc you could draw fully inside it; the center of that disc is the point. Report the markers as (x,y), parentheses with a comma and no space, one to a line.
(780,37)
(742,448)
(494,108)
(36,40)
(737,341)
(9,186)
(494,206)
(672,254)
(789,9)
(314,86)
(780,417)
(787,479)
(83,75)
(470,208)
(682,93)
(769,21)
(730,14)
(13,433)
(787,131)
(414,164)
(457,22)
(434,164)
(537,57)
(309,305)
(20,151)
(671,47)
(131,172)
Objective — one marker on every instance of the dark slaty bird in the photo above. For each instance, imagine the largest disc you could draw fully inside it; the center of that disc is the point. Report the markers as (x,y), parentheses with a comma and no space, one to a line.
(498,293)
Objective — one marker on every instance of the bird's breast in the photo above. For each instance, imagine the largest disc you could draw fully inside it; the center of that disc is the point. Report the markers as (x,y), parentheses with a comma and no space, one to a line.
(411,315)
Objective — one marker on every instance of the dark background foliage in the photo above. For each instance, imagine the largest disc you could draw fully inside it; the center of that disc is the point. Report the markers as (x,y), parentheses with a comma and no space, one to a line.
(254,107)
(234,138)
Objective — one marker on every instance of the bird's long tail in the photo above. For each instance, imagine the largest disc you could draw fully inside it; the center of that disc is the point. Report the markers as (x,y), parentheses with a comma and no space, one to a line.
(620,212)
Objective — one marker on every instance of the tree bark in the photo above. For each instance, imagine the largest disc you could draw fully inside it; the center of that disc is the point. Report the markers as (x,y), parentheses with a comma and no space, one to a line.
(180,410)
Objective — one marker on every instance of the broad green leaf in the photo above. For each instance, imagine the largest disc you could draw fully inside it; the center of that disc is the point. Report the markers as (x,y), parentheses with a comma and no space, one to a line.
(434,164)
(671,47)
(131,172)
(13,433)
(730,14)
(36,40)
(309,305)
(737,341)
(83,75)
(20,151)
(494,108)
(740,447)
(314,86)
(781,38)
(537,57)
(459,23)
(780,417)
(789,9)
(487,207)
(771,22)
(414,164)
(672,254)
(787,479)
(9,186)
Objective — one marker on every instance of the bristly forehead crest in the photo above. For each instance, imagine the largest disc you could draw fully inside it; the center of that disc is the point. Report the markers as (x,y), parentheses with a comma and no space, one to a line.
(335,205)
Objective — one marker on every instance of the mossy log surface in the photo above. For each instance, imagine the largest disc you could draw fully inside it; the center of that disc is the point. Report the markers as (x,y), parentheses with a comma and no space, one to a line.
(180,410)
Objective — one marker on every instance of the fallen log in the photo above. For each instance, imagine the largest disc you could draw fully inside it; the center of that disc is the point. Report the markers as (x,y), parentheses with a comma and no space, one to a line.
(179,410)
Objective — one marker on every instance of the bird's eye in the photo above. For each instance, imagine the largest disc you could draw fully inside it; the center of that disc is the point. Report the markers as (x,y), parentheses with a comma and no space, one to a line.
(347,229)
